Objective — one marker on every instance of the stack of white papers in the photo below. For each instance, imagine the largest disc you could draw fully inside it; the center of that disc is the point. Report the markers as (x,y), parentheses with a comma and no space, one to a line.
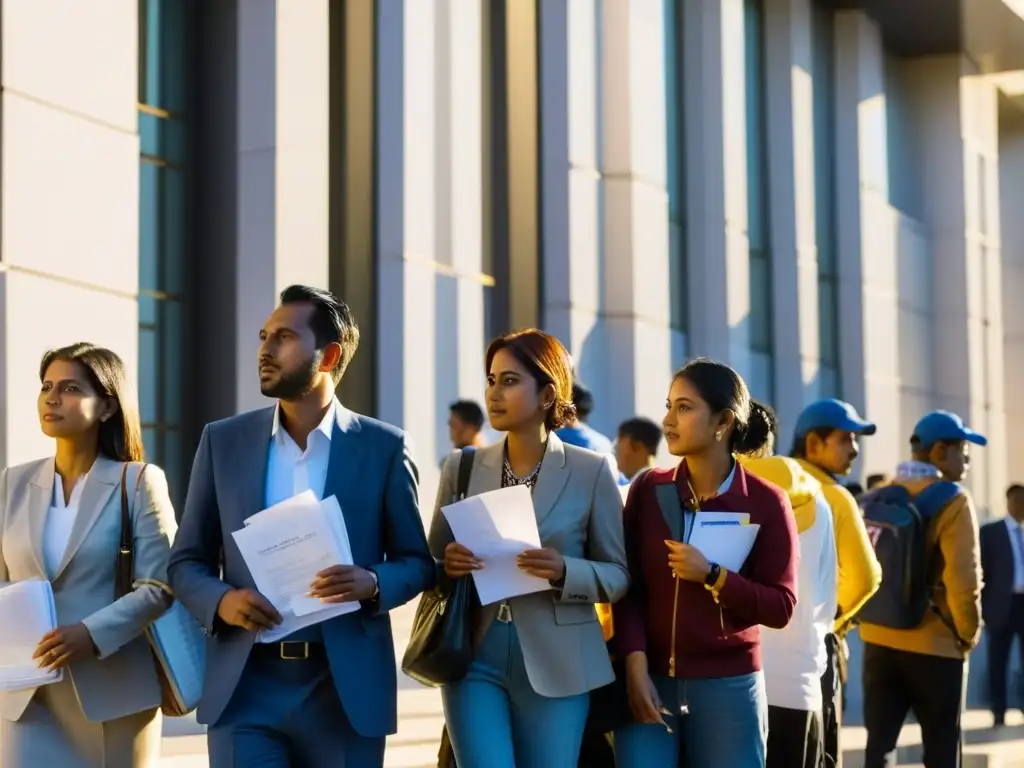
(285,547)
(27,613)
(725,538)
(497,527)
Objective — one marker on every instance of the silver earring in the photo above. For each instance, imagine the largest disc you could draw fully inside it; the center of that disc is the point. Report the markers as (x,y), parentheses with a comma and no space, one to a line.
(718,436)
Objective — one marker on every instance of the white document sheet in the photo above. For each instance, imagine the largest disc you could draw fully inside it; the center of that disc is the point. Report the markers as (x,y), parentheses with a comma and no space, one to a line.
(27,613)
(284,548)
(727,545)
(497,527)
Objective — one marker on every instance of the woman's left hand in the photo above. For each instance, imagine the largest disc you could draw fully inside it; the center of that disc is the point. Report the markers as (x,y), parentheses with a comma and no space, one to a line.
(544,563)
(61,646)
(687,562)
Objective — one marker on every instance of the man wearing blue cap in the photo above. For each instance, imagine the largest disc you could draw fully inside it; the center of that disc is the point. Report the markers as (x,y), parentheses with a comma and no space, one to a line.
(825,444)
(922,668)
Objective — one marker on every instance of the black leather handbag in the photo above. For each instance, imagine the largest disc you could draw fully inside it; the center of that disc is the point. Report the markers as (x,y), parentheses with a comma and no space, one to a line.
(440,647)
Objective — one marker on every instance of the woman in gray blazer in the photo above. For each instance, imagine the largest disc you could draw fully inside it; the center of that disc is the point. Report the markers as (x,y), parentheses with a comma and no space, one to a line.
(60,520)
(524,702)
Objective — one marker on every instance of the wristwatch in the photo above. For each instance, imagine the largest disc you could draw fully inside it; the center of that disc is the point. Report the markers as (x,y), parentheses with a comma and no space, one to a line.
(713,575)
(376,584)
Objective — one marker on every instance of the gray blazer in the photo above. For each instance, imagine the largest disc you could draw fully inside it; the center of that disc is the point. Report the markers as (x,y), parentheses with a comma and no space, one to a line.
(122,679)
(579,513)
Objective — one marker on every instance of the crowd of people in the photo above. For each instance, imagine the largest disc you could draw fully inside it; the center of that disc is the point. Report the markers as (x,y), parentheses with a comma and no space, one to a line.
(643,651)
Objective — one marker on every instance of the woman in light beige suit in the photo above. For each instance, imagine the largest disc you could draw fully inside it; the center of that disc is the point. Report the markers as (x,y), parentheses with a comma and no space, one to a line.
(524,702)
(60,520)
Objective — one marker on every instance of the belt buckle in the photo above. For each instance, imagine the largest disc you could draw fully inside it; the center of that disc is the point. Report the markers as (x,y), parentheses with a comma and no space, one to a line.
(505,613)
(298,657)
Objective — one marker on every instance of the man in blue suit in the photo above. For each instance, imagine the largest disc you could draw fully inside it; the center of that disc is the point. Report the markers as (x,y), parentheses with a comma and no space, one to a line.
(326,694)
(1002,599)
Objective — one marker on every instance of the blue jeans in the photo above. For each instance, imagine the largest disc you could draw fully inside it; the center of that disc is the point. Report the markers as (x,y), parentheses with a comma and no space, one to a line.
(727,726)
(496,720)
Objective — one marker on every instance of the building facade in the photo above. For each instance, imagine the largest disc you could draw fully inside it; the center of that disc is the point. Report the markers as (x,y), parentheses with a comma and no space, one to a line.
(823,194)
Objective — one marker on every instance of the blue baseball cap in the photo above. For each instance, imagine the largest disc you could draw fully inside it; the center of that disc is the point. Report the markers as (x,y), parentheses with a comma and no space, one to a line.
(832,414)
(942,426)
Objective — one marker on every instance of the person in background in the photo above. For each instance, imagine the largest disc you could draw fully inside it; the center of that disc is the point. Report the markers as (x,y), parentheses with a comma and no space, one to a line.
(636,446)
(690,632)
(1002,599)
(856,489)
(825,444)
(525,699)
(465,424)
(60,521)
(576,431)
(877,480)
(924,670)
(795,657)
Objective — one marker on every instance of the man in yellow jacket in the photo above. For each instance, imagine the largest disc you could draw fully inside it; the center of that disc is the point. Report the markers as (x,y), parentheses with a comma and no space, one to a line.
(826,446)
(923,669)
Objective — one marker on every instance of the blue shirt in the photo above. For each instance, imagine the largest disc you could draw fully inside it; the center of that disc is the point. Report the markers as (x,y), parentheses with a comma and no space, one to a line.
(583,436)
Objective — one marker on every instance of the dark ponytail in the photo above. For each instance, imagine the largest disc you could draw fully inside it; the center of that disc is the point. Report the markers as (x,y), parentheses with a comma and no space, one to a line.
(755,425)
(757,438)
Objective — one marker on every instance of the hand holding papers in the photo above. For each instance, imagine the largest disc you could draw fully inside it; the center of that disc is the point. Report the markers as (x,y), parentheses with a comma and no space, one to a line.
(285,547)
(497,527)
(725,538)
(27,613)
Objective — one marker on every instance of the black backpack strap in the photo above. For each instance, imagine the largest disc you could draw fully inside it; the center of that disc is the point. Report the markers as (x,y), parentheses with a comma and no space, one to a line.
(678,519)
(465,472)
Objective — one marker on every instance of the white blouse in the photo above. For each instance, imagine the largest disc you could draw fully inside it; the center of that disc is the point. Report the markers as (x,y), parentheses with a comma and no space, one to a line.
(60,519)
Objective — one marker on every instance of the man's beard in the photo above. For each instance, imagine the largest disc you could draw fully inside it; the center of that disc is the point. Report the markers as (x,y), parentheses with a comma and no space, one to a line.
(293,385)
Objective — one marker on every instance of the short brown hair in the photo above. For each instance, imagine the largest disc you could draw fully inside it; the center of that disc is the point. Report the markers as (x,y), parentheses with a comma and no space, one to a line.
(547,361)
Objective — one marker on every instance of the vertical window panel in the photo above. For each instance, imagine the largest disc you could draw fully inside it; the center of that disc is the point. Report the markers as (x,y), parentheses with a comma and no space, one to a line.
(164,224)
(149,375)
(173,191)
(170,362)
(149,228)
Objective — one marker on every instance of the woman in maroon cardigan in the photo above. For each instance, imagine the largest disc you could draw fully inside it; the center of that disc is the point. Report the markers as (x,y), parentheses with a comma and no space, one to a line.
(688,628)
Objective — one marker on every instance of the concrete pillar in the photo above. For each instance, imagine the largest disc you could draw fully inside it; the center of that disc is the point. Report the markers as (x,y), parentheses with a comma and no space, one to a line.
(459,200)
(867,267)
(70,196)
(571,182)
(957,114)
(282,165)
(428,218)
(1011,192)
(792,220)
(636,290)
(716,185)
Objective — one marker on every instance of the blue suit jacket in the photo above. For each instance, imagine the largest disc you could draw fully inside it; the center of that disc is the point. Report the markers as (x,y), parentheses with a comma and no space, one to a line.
(997,568)
(373,476)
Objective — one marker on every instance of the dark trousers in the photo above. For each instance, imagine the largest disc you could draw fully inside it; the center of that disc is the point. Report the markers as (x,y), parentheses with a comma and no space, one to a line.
(832,704)
(286,714)
(932,687)
(1000,643)
(794,738)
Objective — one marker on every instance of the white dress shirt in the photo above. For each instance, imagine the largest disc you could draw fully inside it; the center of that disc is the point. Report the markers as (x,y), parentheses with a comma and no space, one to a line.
(290,470)
(795,657)
(1016,533)
(60,519)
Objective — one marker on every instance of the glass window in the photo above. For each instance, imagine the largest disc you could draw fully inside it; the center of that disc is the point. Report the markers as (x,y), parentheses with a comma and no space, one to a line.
(164,94)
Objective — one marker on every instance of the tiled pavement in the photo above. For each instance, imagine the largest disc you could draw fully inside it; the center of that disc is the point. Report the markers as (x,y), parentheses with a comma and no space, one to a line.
(420,721)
